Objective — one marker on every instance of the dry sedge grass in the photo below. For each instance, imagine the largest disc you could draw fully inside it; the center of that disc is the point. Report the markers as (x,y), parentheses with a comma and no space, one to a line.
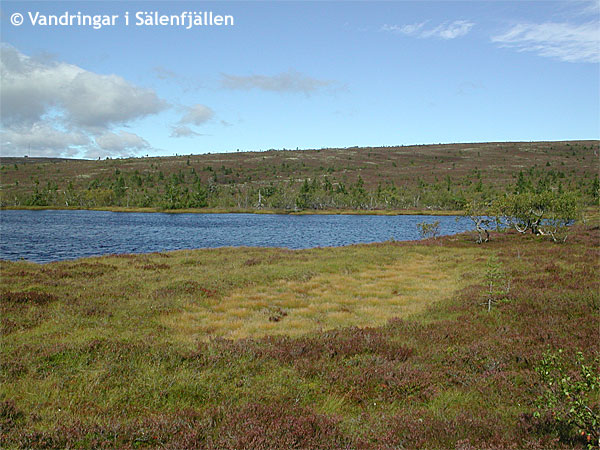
(366,297)
(187,297)
(92,342)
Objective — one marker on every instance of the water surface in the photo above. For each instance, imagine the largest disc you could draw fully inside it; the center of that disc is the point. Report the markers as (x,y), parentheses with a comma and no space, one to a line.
(53,235)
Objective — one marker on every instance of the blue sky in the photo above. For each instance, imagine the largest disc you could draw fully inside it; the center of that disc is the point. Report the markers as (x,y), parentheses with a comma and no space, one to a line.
(298,75)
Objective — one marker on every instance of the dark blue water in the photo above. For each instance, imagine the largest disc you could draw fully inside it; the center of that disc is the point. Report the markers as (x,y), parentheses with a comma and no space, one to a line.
(44,236)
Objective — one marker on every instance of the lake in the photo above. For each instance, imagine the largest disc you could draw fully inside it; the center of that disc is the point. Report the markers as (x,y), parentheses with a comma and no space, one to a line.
(52,235)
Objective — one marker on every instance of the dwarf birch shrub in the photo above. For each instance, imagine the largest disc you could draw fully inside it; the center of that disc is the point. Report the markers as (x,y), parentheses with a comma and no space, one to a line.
(427,230)
(570,395)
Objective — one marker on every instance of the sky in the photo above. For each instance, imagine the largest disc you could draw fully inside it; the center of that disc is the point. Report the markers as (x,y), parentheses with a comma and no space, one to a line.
(294,74)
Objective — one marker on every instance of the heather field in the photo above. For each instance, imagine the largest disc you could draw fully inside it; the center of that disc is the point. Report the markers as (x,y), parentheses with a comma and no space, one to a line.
(441,177)
(441,343)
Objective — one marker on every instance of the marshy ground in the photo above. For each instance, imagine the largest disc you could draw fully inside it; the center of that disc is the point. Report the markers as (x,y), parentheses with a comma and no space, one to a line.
(369,346)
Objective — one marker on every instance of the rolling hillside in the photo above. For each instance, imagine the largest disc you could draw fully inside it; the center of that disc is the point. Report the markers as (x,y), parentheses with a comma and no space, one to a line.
(409,177)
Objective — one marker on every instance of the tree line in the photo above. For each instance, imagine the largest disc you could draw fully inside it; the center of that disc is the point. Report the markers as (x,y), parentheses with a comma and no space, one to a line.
(186,189)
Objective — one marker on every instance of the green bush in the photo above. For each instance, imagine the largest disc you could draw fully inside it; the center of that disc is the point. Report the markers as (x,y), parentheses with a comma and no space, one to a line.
(427,230)
(570,394)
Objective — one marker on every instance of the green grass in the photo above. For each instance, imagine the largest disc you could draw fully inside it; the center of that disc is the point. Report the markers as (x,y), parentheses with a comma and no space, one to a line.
(371,346)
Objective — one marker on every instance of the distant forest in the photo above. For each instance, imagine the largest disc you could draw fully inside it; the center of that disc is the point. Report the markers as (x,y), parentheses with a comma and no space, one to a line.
(426,177)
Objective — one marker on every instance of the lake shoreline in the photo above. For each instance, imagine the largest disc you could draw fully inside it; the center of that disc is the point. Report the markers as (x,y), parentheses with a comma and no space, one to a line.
(378,212)
(54,234)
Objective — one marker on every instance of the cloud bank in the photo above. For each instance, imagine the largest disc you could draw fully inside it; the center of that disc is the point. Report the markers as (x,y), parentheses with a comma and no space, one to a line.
(56,108)
(121,141)
(41,139)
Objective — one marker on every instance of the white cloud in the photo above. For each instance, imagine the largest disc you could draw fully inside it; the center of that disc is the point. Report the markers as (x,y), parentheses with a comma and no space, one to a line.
(192,115)
(450,31)
(64,106)
(183,131)
(197,115)
(31,87)
(41,139)
(121,141)
(589,8)
(444,31)
(562,41)
(102,100)
(290,81)
(410,30)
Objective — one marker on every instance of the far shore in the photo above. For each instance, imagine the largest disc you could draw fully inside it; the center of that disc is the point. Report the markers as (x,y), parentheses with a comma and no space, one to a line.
(373,212)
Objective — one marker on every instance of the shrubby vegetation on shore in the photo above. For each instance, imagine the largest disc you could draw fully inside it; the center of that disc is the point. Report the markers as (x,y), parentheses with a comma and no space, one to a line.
(420,177)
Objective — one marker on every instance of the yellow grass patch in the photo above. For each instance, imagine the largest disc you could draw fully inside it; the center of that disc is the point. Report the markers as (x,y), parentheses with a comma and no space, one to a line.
(367,297)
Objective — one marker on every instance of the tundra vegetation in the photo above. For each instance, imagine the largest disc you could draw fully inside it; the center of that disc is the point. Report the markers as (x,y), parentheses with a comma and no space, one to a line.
(388,345)
(440,343)
(426,177)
